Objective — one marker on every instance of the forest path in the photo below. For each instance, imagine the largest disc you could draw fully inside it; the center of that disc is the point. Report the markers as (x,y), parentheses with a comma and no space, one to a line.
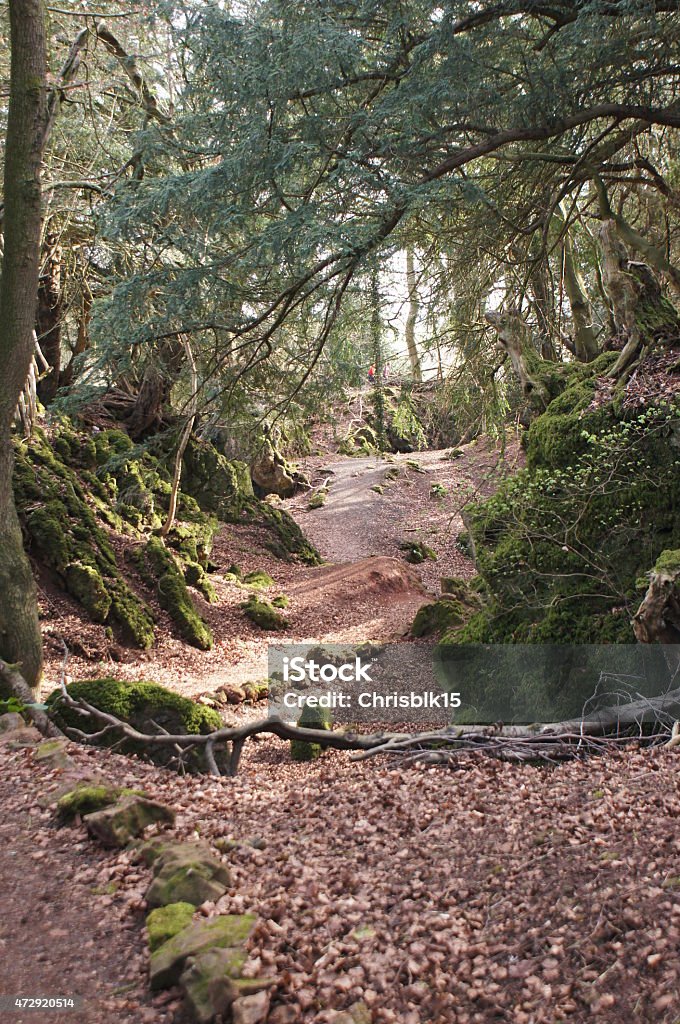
(64,930)
(357,521)
(365,591)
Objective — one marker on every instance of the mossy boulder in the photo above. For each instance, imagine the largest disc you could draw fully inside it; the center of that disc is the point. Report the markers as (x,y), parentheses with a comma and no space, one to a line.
(285,539)
(119,824)
(173,595)
(259,580)
(163,923)
(434,619)
(318,499)
(85,583)
(187,873)
(146,706)
(218,485)
(87,797)
(311,718)
(228,931)
(196,576)
(213,990)
(264,614)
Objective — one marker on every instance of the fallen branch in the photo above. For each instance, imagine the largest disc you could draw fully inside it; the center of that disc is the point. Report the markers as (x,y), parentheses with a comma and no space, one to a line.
(550,744)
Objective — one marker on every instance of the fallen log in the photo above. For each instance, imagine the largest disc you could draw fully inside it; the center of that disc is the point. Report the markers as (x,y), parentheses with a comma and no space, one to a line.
(609,728)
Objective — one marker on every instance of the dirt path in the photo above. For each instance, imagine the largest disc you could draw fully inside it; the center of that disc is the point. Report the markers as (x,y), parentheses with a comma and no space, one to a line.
(366,591)
(351,525)
(64,931)
(420,497)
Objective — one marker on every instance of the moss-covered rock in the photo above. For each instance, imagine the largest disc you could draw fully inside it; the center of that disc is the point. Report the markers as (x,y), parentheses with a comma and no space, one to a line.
(86,584)
(285,538)
(188,873)
(87,797)
(65,535)
(318,499)
(119,824)
(214,991)
(218,485)
(72,490)
(228,931)
(146,706)
(440,616)
(416,552)
(173,595)
(163,923)
(264,614)
(259,580)
(196,576)
(310,718)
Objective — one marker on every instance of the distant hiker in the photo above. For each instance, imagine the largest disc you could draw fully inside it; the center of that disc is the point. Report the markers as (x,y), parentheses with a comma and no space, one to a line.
(371,374)
(386,371)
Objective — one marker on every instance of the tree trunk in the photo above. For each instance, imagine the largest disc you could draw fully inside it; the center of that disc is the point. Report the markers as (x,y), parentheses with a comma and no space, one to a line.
(585,336)
(413,307)
(542,302)
(643,316)
(26,123)
(183,441)
(514,337)
(376,344)
(48,320)
(657,620)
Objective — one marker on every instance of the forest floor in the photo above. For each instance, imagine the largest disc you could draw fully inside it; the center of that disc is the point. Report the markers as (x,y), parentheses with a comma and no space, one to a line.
(384,895)
(365,591)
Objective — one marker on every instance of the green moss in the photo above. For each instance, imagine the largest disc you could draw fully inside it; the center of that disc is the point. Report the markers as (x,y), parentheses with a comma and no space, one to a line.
(259,580)
(417,551)
(196,576)
(85,583)
(561,546)
(132,615)
(218,485)
(318,499)
(437,617)
(310,718)
(667,564)
(285,538)
(109,443)
(50,536)
(86,797)
(164,923)
(264,614)
(281,601)
(146,706)
(66,537)
(174,597)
